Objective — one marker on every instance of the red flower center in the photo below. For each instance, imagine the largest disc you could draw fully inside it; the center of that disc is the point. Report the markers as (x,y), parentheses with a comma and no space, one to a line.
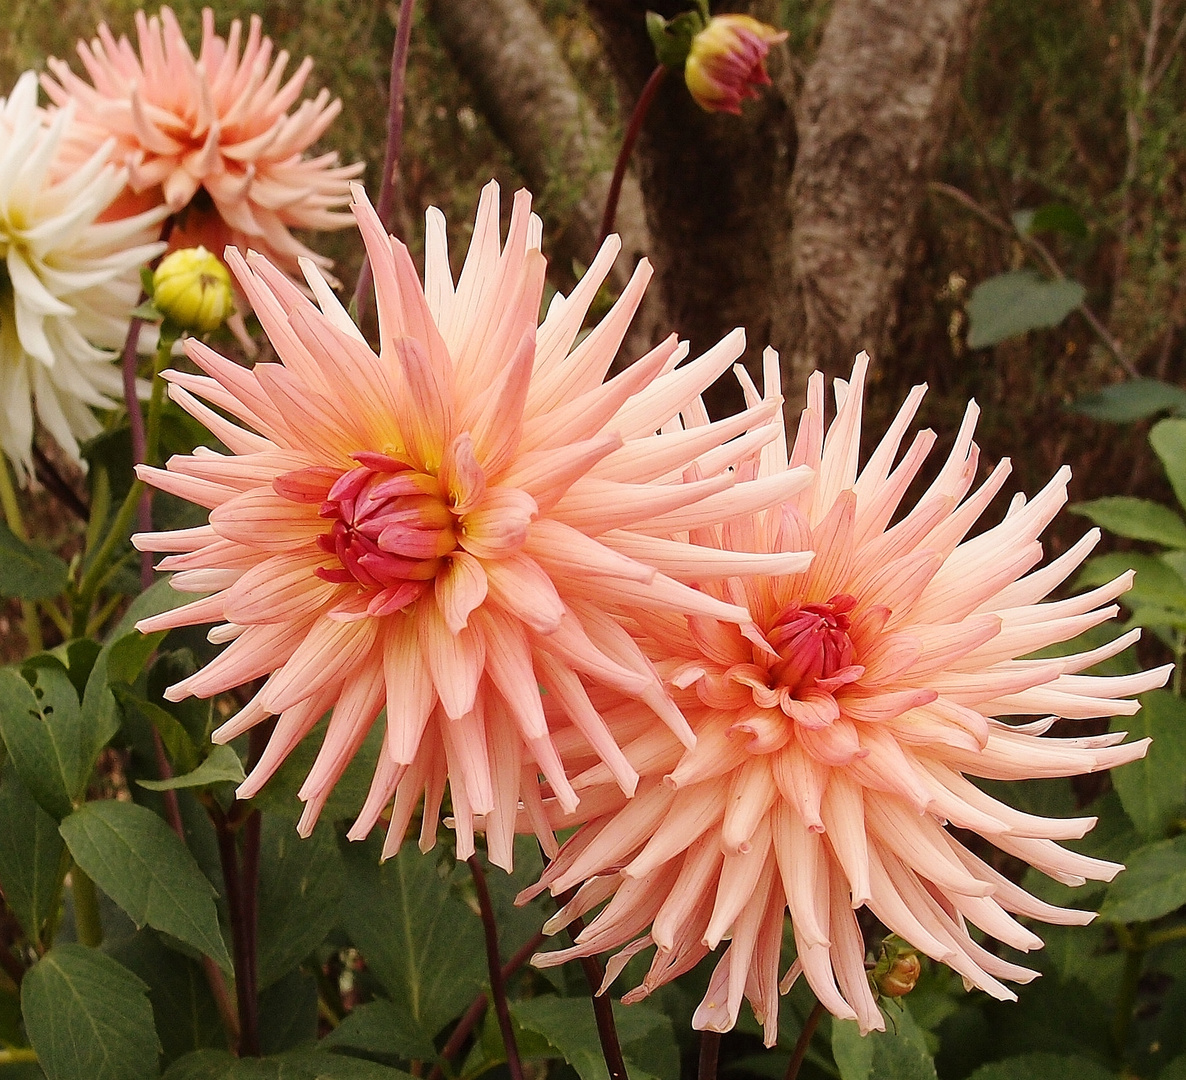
(812,641)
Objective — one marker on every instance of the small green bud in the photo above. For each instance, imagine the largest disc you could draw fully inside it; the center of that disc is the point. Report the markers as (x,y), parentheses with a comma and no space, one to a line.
(192,288)
(897,969)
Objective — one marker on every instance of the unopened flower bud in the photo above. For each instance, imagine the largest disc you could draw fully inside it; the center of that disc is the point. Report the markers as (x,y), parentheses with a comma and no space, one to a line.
(193,289)
(897,970)
(727,61)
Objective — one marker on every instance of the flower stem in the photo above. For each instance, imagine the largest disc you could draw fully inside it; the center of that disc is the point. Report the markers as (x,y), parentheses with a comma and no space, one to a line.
(86,908)
(498,988)
(603,1011)
(1133,941)
(641,108)
(18,1055)
(805,1036)
(395,145)
(16,525)
(473,1014)
(710,1048)
(228,855)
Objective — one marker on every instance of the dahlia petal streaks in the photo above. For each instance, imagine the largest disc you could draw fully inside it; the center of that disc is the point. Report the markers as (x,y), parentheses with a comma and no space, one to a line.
(444,528)
(67,283)
(834,738)
(217,123)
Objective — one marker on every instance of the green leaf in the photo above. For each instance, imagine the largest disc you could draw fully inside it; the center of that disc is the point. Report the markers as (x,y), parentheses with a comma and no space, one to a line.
(137,860)
(178,745)
(297,1065)
(1060,218)
(288,1013)
(30,855)
(300,889)
(221,767)
(1046,1066)
(1168,439)
(122,659)
(568,1025)
(420,940)
(1135,399)
(1157,580)
(29,572)
(88,1016)
(186,1014)
(1153,789)
(1153,885)
(1138,519)
(43,730)
(378,1027)
(899,1054)
(1013,303)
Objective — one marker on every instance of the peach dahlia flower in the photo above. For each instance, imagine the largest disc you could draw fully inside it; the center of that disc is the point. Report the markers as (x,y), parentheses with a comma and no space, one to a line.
(211,137)
(446,527)
(833,749)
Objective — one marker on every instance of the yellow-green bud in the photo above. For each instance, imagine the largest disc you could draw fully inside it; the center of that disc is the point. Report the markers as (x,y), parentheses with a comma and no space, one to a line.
(193,289)
(897,969)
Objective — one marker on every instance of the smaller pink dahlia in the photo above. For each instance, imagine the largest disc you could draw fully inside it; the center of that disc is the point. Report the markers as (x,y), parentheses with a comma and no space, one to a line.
(833,747)
(436,532)
(210,136)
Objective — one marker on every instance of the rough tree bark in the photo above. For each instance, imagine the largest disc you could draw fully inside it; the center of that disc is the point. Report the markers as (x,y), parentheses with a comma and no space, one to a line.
(532,100)
(794,220)
(872,119)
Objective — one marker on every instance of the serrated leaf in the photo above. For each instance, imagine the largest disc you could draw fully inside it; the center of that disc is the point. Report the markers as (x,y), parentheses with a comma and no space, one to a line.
(44,732)
(1018,301)
(176,740)
(1157,581)
(1137,519)
(1168,439)
(1135,399)
(121,659)
(221,767)
(1046,1066)
(378,1027)
(899,1053)
(27,571)
(137,860)
(1153,789)
(568,1025)
(300,889)
(296,1065)
(186,1014)
(1153,885)
(420,940)
(88,1016)
(30,855)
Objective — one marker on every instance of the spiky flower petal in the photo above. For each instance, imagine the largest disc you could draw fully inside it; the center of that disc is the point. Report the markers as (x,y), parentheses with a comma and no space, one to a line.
(447,527)
(833,747)
(211,137)
(67,284)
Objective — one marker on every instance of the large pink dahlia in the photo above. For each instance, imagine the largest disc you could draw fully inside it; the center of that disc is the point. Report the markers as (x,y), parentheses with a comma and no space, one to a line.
(210,136)
(445,528)
(833,748)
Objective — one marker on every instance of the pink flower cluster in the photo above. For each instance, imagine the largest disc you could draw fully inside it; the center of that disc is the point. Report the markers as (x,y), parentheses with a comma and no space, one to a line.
(752,675)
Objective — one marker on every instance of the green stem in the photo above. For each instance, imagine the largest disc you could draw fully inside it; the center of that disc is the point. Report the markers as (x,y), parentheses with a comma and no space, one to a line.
(86,908)
(1165,937)
(18,1055)
(97,569)
(1134,941)
(16,524)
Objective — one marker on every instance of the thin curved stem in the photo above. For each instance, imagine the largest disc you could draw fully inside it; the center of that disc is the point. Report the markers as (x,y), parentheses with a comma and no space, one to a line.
(804,1042)
(498,988)
(641,107)
(603,1010)
(30,617)
(395,145)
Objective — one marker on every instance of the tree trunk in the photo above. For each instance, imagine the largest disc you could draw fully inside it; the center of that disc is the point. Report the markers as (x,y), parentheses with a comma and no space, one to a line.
(872,119)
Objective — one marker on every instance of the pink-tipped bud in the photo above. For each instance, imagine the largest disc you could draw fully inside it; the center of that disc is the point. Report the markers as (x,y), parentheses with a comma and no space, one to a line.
(728,60)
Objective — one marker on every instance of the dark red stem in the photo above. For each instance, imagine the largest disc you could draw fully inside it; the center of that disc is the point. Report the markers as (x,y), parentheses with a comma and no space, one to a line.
(804,1042)
(498,989)
(473,1014)
(603,1009)
(641,108)
(228,855)
(710,1048)
(395,145)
